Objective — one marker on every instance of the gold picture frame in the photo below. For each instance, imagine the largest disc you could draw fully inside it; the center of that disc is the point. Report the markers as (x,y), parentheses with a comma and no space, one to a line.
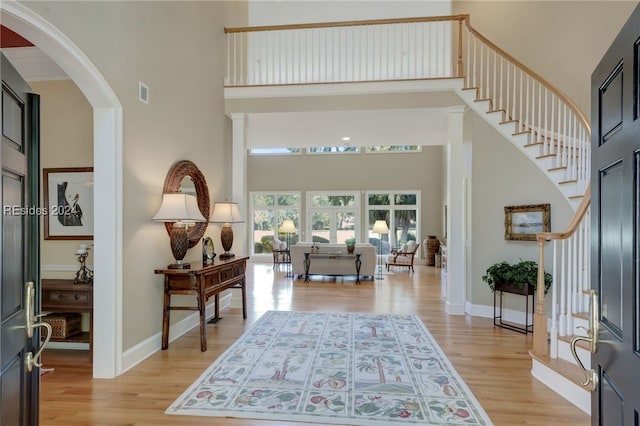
(522,223)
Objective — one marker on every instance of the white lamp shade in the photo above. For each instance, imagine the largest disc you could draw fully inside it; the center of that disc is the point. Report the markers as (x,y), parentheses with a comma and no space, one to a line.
(225,212)
(179,207)
(288,227)
(380,227)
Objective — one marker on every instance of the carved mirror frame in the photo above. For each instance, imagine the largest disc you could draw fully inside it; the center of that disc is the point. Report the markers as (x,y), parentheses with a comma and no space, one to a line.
(172,182)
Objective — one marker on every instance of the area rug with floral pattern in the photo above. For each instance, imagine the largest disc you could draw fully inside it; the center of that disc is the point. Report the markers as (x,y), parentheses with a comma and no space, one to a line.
(337,368)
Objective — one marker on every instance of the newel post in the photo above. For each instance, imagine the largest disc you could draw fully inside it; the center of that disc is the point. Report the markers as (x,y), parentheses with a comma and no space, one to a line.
(540,344)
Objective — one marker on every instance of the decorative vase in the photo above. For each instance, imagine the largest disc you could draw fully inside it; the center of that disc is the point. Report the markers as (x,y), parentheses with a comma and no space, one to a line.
(350,249)
(433,245)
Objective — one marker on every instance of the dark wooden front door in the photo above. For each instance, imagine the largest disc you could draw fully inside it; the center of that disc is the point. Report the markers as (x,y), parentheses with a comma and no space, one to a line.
(20,234)
(615,117)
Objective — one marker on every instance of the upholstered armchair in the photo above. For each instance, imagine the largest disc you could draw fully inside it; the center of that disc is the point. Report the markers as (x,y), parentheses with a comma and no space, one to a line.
(404,256)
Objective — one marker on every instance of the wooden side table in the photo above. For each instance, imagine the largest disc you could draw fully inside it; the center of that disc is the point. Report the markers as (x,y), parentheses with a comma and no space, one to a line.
(203,282)
(59,295)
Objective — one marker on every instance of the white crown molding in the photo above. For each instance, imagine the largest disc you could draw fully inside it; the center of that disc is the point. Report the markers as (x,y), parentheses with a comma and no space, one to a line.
(33,64)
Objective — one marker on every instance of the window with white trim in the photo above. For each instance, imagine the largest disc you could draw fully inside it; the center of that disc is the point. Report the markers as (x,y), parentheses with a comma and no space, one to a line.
(401,211)
(332,217)
(269,210)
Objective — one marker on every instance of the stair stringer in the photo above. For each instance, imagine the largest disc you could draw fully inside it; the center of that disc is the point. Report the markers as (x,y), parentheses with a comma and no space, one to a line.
(571,190)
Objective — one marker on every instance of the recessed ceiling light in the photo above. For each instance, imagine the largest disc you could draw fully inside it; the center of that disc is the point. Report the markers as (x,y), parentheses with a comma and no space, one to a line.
(346,138)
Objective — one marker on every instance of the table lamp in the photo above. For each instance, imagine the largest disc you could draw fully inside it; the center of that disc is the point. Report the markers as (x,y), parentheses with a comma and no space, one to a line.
(226,212)
(288,228)
(182,209)
(380,227)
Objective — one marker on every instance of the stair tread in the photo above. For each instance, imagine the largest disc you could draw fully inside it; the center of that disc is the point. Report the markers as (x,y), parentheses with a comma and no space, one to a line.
(581,315)
(522,132)
(564,182)
(581,344)
(575,197)
(545,156)
(553,169)
(532,144)
(564,368)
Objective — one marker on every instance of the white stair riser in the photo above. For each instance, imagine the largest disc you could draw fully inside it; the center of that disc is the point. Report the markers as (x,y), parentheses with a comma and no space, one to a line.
(570,391)
(564,352)
(510,130)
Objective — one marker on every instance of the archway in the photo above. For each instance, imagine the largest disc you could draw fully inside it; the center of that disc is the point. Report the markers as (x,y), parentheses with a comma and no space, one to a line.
(107,141)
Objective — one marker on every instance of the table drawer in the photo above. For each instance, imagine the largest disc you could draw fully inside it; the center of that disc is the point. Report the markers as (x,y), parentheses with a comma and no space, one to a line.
(226,274)
(66,298)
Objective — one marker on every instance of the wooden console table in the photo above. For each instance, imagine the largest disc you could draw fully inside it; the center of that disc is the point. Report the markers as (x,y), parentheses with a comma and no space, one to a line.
(334,256)
(203,282)
(66,296)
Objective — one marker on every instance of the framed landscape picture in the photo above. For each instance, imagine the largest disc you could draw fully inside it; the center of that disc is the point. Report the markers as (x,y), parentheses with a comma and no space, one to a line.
(68,203)
(522,223)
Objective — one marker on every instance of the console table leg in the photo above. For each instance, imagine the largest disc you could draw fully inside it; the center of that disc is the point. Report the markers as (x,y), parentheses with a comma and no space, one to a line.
(307,262)
(244,300)
(203,328)
(216,315)
(165,314)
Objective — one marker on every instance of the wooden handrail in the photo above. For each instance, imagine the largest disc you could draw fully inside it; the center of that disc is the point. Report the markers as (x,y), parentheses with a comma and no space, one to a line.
(575,220)
(540,343)
(538,77)
(347,23)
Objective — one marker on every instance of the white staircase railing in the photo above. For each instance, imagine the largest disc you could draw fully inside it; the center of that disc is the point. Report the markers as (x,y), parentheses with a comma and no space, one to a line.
(552,120)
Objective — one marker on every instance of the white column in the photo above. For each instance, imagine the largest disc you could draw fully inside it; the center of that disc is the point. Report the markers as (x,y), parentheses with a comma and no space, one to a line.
(239,180)
(456,195)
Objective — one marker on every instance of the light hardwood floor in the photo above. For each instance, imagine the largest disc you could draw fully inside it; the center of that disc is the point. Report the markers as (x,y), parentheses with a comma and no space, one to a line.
(494,362)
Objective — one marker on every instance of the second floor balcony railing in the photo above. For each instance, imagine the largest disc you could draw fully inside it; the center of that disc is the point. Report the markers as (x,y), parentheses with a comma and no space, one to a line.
(392,49)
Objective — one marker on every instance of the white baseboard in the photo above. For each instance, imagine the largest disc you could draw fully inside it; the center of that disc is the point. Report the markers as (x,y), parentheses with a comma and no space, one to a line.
(454,309)
(151,345)
(510,315)
(564,387)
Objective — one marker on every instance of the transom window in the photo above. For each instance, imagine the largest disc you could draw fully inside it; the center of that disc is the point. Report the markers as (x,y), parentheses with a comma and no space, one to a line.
(394,148)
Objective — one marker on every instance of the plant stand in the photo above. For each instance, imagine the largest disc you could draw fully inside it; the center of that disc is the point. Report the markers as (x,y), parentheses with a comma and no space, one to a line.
(512,288)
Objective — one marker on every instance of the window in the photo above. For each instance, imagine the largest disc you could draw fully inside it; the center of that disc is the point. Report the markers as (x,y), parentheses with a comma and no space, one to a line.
(333,217)
(333,149)
(269,210)
(394,148)
(400,209)
(274,151)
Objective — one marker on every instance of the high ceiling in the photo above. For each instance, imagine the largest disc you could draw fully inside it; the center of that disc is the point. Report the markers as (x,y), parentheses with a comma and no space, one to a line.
(421,126)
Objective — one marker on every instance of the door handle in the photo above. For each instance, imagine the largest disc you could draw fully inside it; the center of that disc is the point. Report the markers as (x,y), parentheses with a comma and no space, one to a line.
(32,360)
(590,376)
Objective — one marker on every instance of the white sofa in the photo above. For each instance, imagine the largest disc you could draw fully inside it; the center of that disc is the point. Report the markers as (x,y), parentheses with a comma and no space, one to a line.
(320,266)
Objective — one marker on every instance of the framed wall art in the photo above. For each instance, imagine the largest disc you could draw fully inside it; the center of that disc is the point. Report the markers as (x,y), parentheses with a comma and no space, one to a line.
(68,203)
(521,223)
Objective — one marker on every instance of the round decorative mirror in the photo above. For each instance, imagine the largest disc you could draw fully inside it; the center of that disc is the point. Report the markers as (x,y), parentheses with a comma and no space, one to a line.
(184,176)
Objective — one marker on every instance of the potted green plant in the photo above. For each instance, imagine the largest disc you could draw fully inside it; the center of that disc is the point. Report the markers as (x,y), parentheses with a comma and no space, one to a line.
(519,278)
(351,244)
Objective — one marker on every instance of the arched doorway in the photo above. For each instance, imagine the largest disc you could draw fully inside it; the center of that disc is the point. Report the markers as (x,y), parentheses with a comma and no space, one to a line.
(107,141)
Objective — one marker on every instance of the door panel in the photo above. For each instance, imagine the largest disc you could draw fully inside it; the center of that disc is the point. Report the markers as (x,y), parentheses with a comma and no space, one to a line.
(615,226)
(20,235)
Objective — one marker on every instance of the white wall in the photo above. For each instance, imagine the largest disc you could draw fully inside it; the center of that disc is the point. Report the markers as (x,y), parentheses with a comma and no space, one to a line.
(298,12)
